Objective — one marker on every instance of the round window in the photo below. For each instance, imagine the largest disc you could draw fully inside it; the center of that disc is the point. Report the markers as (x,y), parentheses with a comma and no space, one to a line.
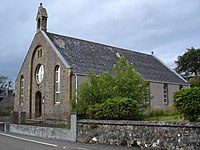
(39,73)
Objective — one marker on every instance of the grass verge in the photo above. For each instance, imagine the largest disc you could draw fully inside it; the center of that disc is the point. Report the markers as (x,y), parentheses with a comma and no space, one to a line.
(174,118)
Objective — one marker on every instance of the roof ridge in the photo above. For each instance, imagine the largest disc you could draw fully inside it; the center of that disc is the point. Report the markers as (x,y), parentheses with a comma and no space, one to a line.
(98,43)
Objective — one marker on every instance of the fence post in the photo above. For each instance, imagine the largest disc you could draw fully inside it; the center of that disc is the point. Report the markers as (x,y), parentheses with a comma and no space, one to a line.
(6,127)
(23,117)
(73,126)
(14,117)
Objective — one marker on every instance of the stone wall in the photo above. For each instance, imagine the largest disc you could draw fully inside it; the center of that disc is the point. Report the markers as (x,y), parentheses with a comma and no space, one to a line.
(56,112)
(4,126)
(143,134)
(45,132)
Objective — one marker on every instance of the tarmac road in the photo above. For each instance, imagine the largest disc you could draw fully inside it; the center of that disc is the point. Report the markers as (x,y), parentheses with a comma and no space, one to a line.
(10,141)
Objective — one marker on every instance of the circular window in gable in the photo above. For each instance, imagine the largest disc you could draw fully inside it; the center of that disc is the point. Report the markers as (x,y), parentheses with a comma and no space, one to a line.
(39,73)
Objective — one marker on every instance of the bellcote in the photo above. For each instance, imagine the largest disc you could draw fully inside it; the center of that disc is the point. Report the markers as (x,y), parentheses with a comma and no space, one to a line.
(41,19)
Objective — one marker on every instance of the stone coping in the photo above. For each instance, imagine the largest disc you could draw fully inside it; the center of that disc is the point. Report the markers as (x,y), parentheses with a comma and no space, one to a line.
(141,123)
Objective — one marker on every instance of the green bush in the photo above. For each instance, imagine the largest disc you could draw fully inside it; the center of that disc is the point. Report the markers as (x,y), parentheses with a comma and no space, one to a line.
(116,108)
(6,111)
(104,90)
(187,101)
(195,82)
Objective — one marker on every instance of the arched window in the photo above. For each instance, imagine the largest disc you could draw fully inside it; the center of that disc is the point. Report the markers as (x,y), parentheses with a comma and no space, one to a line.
(38,23)
(21,101)
(57,84)
(39,73)
(39,52)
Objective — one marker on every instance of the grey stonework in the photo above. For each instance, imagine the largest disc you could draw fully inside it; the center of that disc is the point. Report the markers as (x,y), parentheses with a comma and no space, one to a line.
(45,132)
(51,112)
(158,135)
(41,18)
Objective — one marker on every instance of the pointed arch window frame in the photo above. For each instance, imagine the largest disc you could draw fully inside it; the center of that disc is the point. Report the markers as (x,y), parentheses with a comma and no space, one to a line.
(57,84)
(39,52)
(21,99)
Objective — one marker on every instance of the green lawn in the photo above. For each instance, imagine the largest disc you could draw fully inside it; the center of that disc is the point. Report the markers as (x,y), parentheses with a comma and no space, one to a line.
(174,118)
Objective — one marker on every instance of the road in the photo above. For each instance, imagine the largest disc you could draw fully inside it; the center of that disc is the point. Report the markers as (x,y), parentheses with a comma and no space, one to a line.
(9,141)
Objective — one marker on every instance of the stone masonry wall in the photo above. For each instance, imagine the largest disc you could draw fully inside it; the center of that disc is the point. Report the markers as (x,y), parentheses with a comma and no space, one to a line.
(51,112)
(158,135)
(45,132)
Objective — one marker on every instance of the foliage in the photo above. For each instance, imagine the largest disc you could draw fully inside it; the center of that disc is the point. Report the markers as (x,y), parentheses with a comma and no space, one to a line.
(5,83)
(189,62)
(195,81)
(157,112)
(187,101)
(128,82)
(124,82)
(95,90)
(6,111)
(169,114)
(172,118)
(116,108)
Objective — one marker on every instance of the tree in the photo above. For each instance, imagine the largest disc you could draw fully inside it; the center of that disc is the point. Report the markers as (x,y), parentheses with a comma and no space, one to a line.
(123,86)
(5,83)
(189,63)
(187,101)
(128,82)
(94,90)
(195,81)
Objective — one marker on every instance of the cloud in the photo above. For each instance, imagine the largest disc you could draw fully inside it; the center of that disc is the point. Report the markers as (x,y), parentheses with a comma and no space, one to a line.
(166,27)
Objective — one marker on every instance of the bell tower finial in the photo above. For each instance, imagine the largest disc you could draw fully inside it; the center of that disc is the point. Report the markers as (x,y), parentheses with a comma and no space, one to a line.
(41,19)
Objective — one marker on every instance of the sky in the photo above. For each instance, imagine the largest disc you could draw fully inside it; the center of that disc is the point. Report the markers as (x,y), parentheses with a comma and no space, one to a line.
(166,27)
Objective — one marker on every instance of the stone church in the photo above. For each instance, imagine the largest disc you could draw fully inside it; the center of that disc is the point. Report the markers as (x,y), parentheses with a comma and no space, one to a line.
(55,65)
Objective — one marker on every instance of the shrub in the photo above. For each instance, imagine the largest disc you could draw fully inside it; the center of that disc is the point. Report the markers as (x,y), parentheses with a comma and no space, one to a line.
(6,111)
(195,81)
(187,101)
(104,90)
(116,108)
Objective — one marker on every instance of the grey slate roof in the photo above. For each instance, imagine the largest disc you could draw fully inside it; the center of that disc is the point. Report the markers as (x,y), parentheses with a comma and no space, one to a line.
(84,56)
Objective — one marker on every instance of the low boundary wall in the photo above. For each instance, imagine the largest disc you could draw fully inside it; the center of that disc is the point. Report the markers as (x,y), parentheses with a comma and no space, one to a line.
(4,126)
(47,132)
(143,134)
(159,135)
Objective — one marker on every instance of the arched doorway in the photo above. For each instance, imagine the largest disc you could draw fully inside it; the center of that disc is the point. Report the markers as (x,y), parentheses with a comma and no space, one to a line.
(38,104)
